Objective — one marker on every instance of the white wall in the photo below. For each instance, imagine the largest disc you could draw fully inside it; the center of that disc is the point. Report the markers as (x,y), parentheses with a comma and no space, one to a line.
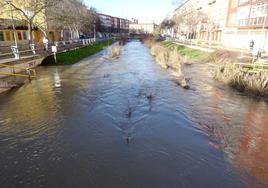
(242,38)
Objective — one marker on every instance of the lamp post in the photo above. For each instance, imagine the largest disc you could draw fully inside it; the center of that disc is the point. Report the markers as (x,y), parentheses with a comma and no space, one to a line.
(15,49)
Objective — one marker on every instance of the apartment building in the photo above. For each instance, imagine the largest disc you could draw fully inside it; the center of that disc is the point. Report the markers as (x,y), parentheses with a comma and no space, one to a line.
(213,25)
(201,19)
(142,28)
(114,24)
(21,28)
(247,21)
(21,31)
(124,25)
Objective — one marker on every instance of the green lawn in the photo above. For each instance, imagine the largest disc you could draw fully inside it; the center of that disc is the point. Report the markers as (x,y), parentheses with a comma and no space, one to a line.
(74,56)
(192,54)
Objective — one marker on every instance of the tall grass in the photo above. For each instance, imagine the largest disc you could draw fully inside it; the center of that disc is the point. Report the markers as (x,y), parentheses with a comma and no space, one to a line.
(253,82)
(169,59)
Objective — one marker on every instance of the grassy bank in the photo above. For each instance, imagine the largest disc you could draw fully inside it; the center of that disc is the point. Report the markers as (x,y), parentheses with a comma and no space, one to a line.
(191,54)
(74,56)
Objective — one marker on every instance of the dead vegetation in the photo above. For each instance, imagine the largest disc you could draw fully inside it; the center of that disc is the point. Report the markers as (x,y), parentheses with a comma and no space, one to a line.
(114,51)
(244,79)
(234,76)
(169,59)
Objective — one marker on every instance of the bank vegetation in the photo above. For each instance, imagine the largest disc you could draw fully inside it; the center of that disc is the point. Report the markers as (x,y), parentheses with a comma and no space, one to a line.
(226,66)
(245,76)
(169,59)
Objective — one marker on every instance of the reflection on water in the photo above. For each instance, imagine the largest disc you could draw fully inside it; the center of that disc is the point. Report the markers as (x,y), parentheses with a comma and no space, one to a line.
(125,123)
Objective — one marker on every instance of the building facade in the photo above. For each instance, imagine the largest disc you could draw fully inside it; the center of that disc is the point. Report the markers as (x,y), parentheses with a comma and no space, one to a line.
(202,20)
(246,22)
(113,24)
(21,32)
(142,28)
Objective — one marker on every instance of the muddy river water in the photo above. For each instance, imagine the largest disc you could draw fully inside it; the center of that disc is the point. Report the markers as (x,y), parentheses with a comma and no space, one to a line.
(126,123)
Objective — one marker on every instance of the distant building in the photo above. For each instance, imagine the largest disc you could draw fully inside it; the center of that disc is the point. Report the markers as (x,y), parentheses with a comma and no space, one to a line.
(134,21)
(141,28)
(247,21)
(114,24)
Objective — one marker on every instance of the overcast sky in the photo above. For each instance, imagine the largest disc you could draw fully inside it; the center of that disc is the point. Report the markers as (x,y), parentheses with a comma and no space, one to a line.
(144,10)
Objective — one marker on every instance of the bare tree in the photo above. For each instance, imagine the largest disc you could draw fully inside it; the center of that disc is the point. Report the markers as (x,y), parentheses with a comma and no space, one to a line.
(72,15)
(31,11)
(167,24)
(188,21)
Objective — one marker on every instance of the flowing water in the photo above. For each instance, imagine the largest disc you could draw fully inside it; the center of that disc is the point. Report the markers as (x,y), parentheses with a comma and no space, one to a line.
(125,123)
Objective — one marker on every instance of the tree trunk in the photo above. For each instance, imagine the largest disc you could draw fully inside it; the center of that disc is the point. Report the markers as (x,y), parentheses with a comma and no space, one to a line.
(30,33)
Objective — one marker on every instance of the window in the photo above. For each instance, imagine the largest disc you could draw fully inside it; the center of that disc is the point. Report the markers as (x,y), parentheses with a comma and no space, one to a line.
(243,14)
(2,36)
(258,14)
(24,35)
(243,2)
(19,35)
(8,36)
(258,11)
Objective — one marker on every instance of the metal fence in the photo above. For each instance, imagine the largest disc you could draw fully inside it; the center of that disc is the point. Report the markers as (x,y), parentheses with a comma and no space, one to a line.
(39,48)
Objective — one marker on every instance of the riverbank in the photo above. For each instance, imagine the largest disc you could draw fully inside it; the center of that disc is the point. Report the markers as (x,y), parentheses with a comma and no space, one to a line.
(226,67)
(63,58)
(74,56)
(189,53)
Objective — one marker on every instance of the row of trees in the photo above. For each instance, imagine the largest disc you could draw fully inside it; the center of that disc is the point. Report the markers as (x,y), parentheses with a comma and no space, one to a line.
(47,15)
(187,23)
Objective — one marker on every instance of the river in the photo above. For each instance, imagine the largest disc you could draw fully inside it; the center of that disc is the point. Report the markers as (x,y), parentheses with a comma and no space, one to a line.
(126,123)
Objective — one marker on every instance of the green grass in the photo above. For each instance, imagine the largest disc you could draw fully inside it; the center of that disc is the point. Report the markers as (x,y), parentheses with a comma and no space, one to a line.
(190,53)
(74,56)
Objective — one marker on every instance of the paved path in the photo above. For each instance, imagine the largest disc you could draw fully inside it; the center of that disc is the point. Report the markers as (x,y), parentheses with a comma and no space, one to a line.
(242,52)
(10,60)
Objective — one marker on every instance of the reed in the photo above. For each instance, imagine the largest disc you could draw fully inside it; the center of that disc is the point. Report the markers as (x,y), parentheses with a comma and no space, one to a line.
(114,51)
(170,59)
(256,83)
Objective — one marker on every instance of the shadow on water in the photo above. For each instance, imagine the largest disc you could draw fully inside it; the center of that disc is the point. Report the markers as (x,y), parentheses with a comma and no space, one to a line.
(125,123)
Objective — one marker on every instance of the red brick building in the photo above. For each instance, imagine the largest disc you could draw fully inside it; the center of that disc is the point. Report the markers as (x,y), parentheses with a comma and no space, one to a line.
(247,20)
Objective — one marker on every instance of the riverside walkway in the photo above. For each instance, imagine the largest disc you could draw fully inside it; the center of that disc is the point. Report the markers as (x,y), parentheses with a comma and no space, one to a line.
(13,72)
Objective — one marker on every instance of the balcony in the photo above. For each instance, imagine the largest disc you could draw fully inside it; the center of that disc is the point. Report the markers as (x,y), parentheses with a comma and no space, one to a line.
(252,22)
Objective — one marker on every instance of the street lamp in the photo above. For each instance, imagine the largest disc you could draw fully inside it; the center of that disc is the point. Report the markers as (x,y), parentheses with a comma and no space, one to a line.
(15,48)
